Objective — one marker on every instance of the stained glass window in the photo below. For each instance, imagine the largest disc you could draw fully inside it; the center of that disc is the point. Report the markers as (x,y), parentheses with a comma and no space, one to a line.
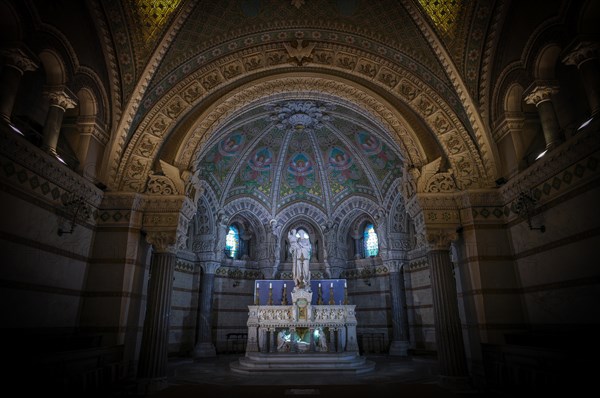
(232,242)
(371,243)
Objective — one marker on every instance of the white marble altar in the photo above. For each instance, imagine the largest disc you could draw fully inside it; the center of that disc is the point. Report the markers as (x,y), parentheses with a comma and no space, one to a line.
(302,337)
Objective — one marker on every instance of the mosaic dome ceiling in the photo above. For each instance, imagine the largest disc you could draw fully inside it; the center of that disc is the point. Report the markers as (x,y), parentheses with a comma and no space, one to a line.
(300,150)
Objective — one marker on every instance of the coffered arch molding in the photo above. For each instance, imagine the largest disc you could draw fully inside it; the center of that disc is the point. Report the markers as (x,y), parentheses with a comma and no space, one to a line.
(145,145)
(313,86)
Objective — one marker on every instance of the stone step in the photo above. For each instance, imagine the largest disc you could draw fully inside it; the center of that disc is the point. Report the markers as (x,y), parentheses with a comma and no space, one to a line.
(313,362)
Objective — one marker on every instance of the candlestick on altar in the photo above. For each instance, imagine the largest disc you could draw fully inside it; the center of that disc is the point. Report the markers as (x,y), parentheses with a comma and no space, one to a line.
(284,295)
(345,294)
(331,298)
(320,296)
(270,302)
(257,295)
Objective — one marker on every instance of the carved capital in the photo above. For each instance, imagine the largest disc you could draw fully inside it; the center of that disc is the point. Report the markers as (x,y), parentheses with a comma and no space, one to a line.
(163,241)
(539,92)
(210,267)
(440,239)
(16,58)
(61,98)
(583,51)
(394,265)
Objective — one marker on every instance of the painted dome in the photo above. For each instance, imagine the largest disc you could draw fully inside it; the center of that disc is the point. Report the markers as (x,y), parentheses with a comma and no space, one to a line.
(283,152)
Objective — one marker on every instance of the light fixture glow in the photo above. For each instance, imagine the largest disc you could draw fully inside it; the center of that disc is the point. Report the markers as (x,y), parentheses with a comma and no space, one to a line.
(60,159)
(541,154)
(585,123)
(12,126)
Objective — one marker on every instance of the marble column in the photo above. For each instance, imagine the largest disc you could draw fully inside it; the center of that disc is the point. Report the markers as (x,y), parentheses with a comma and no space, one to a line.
(540,95)
(204,346)
(448,330)
(400,344)
(60,100)
(585,56)
(16,63)
(155,338)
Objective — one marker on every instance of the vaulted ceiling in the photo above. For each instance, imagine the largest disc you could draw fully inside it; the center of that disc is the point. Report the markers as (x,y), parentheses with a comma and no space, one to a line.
(262,97)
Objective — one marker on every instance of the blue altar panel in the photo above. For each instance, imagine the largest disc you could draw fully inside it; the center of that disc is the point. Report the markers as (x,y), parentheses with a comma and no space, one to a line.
(261,286)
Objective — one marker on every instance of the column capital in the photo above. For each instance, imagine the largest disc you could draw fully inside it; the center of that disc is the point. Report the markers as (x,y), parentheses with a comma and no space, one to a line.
(581,52)
(60,97)
(163,241)
(209,267)
(16,58)
(394,265)
(440,239)
(540,91)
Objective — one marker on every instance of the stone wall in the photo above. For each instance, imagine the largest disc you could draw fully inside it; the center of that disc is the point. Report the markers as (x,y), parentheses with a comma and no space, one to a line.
(184,308)
(419,305)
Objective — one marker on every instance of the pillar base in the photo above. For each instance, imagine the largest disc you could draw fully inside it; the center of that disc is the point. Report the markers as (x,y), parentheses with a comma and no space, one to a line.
(151,386)
(205,350)
(399,348)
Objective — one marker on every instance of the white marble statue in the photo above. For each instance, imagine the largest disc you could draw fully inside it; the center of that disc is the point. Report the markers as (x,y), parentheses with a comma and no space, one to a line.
(300,252)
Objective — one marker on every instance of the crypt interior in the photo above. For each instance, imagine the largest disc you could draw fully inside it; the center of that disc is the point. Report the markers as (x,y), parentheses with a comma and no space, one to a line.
(442,157)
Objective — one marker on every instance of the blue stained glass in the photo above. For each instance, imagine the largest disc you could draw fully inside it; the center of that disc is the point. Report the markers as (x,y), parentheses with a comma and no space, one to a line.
(371,241)
(232,242)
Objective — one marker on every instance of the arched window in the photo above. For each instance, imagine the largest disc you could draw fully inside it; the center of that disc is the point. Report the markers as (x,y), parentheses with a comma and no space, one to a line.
(302,233)
(371,242)
(232,242)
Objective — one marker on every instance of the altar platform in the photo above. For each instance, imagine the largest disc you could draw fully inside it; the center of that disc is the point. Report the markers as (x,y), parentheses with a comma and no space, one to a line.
(302,329)
(340,363)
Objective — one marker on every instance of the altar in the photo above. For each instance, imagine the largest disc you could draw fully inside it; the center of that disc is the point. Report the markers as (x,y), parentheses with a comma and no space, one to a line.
(295,329)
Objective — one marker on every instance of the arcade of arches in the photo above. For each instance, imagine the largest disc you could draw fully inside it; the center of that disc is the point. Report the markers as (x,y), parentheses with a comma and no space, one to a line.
(441,156)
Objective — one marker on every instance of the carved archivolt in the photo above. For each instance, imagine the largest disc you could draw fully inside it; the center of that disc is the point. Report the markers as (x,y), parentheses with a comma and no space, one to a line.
(144,145)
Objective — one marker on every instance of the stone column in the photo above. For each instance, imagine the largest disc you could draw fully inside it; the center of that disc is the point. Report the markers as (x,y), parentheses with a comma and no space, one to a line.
(154,349)
(540,95)
(357,248)
(448,330)
(204,345)
(585,56)
(400,344)
(60,100)
(293,343)
(332,343)
(272,340)
(16,63)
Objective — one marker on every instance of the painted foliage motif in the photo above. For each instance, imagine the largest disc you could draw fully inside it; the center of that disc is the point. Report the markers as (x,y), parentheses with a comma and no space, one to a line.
(222,156)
